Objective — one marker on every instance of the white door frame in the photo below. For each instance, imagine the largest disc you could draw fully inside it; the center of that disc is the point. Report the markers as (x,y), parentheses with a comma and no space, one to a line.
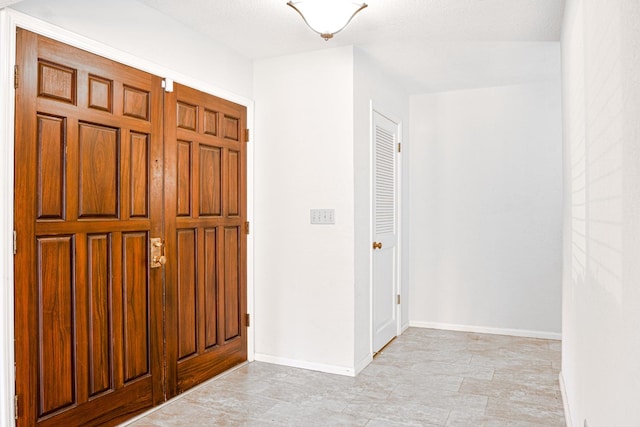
(10,20)
(373,106)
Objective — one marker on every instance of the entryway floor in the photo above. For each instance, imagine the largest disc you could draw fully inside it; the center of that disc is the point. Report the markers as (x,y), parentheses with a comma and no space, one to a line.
(425,377)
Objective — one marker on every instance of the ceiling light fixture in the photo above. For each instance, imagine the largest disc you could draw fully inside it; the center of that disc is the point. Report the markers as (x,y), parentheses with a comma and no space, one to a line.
(327,17)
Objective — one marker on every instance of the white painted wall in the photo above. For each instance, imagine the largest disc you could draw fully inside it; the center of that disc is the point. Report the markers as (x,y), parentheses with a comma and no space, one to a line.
(134,28)
(601,291)
(486,209)
(304,300)
(372,84)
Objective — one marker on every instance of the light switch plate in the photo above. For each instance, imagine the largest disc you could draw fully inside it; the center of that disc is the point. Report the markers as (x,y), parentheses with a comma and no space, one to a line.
(323,216)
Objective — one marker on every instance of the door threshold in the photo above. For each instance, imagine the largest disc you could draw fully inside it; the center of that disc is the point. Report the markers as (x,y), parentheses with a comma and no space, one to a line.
(377,353)
(181,395)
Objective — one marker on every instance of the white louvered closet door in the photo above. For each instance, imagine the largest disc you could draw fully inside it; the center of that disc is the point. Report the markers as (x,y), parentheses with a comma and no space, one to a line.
(385,149)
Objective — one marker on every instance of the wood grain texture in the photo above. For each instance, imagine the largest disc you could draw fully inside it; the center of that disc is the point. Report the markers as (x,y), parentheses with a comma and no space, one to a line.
(210,287)
(135,292)
(51,166)
(88,193)
(99,162)
(187,293)
(99,172)
(184,171)
(216,190)
(57,364)
(139,175)
(100,93)
(99,302)
(210,181)
(57,81)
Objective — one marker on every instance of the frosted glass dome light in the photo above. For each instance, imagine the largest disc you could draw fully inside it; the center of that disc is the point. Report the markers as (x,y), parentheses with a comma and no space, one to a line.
(327,17)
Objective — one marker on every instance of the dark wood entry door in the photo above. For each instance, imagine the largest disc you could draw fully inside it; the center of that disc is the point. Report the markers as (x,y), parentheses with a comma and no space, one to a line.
(94,182)
(205,213)
(88,196)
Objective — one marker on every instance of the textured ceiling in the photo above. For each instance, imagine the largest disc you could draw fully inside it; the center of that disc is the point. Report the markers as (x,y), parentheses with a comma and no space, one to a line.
(4,3)
(431,45)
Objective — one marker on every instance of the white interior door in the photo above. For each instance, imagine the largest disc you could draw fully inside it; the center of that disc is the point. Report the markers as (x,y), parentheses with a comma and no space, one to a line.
(385,230)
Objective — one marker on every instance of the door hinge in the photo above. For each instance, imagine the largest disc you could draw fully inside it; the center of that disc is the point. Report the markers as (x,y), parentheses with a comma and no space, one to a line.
(15,242)
(399,147)
(248,320)
(398,299)
(16,75)
(247,227)
(15,406)
(247,135)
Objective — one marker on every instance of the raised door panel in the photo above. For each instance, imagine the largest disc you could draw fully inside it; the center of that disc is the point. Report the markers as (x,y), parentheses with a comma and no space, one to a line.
(99,148)
(210,287)
(57,81)
(210,181)
(184,170)
(135,305)
(187,293)
(232,291)
(234,188)
(136,103)
(51,166)
(99,250)
(57,359)
(100,93)
(139,175)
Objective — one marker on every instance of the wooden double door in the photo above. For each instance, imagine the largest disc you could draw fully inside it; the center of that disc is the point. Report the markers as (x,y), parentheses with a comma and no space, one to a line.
(130,261)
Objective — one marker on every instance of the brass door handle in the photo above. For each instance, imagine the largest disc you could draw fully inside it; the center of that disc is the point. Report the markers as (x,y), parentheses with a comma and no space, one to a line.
(157,253)
(162,260)
(377,245)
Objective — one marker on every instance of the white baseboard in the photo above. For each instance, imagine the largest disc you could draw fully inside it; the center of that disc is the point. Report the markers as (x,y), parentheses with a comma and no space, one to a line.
(404,327)
(565,401)
(487,330)
(312,366)
(363,363)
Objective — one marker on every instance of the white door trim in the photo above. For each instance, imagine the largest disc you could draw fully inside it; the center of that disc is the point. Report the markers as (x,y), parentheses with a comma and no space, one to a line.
(375,107)
(7,96)
(10,20)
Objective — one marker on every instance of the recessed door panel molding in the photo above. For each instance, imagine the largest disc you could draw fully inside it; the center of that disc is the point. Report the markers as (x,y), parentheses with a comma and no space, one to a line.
(135,291)
(187,116)
(56,354)
(57,82)
(211,122)
(138,175)
(136,102)
(99,189)
(51,166)
(100,93)
(234,168)
(211,287)
(183,178)
(187,292)
(210,181)
(232,291)
(99,280)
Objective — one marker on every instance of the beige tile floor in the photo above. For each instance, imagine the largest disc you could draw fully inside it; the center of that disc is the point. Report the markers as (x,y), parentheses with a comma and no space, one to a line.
(425,377)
